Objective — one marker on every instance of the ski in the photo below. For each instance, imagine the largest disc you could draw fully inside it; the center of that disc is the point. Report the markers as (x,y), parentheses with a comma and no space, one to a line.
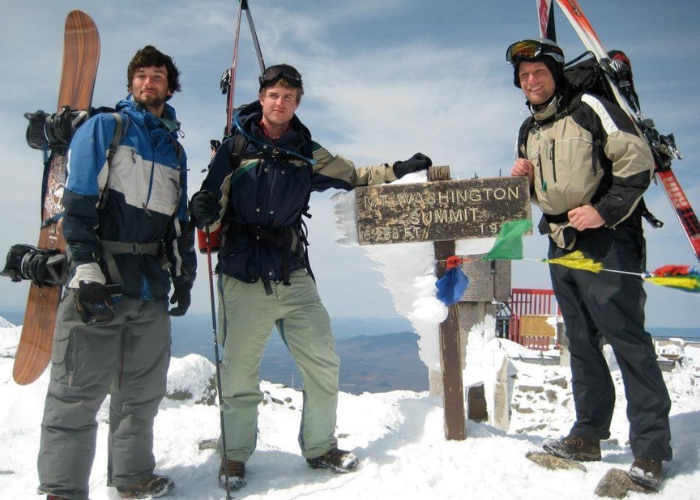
(81,54)
(228,80)
(663,147)
(228,88)
(545,16)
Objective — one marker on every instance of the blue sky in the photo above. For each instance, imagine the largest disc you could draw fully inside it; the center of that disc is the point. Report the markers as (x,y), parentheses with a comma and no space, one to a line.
(383,80)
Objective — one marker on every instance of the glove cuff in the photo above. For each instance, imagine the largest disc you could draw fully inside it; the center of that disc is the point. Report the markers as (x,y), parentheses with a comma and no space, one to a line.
(89,272)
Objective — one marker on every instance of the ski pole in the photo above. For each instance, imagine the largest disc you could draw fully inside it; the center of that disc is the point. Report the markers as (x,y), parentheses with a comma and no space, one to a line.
(216,359)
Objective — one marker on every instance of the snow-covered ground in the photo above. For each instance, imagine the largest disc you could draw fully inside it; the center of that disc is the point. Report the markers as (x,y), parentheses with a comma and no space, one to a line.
(398,435)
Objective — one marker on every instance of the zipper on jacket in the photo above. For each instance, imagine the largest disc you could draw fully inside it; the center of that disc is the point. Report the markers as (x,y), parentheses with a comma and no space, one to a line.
(551,159)
(539,166)
(150,185)
(594,158)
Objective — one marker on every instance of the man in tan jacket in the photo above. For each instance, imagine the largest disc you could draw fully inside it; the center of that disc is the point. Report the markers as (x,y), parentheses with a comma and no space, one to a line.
(588,167)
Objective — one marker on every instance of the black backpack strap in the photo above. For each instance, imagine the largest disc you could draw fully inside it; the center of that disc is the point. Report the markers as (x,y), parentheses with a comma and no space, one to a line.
(112,248)
(522,136)
(178,147)
(240,143)
(646,214)
(119,132)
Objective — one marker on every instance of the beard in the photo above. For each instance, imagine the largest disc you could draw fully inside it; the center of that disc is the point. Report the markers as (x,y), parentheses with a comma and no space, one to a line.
(151,100)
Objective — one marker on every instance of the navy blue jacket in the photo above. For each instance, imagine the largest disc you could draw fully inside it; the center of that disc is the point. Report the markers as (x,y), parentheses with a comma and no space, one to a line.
(271,189)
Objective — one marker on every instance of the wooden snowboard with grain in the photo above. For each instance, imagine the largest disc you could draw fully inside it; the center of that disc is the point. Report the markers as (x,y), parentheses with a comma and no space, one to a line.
(81,55)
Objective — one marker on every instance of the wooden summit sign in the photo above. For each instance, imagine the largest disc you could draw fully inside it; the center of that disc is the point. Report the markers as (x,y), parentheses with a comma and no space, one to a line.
(439,211)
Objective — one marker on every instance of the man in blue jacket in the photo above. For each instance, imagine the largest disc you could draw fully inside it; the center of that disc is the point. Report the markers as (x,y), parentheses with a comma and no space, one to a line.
(125,225)
(257,190)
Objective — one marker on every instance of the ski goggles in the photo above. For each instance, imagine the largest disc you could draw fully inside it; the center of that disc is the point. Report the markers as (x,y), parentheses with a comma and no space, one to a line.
(274,73)
(531,49)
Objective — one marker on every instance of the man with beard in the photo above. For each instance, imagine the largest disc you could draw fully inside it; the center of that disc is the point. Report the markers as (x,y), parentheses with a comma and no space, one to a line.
(125,226)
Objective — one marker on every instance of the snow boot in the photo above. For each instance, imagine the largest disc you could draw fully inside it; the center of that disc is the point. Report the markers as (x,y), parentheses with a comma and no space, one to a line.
(334,459)
(573,448)
(646,472)
(152,487)
(236,474)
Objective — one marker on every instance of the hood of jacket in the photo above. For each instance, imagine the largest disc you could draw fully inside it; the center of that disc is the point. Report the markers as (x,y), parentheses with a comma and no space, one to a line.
(140,115)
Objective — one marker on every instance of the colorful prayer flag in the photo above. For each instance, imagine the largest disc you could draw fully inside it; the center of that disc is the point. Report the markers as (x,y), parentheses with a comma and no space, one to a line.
(454,283)
(509,242)
(576,260)
(681,278)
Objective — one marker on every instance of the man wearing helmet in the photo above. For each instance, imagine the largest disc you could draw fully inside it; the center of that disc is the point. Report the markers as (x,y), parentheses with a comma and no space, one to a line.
(588,167)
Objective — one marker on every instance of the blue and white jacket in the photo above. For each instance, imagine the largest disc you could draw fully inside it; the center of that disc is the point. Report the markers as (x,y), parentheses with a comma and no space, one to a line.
(138,197)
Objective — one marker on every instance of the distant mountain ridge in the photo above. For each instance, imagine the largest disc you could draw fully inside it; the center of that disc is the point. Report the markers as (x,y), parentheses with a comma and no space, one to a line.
(377,354)
(376,363)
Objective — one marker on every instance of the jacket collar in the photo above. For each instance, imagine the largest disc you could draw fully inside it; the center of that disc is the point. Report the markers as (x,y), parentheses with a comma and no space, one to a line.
(548,111)
(141,115)
(297,139)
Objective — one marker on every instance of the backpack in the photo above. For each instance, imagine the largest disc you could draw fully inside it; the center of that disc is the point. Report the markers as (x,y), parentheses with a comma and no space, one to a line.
(295,238)
(55,131)
(586,76)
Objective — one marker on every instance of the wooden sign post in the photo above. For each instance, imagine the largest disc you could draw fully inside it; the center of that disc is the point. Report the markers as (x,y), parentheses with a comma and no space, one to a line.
(450,348)
(442,210)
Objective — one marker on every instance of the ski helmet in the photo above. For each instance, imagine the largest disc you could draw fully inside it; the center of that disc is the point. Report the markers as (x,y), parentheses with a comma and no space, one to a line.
(536,50)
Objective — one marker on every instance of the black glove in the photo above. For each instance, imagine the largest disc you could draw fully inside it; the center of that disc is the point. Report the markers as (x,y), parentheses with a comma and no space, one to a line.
(181,295)
(417,162)
(94,303)
(205,208)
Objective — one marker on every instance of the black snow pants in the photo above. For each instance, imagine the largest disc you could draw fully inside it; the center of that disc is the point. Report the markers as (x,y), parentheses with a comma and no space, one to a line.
(611,305)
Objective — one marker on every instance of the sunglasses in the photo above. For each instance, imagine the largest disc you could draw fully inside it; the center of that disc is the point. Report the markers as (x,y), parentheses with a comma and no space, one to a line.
(275,73)
(531,49)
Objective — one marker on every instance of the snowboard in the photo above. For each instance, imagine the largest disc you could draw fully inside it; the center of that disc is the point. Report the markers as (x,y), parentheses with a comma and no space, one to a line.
(81,55)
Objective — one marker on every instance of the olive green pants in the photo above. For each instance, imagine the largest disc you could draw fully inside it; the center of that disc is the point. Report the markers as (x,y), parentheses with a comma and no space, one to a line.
(246,317)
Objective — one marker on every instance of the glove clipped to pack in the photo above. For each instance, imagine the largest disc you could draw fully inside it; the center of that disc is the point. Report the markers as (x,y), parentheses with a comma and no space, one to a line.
(181,297)
(205,208)
(415,163)
(93,299)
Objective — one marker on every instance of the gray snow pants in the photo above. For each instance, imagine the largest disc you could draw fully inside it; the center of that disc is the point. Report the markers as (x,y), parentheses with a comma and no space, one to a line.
(128,358)
(611,305)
